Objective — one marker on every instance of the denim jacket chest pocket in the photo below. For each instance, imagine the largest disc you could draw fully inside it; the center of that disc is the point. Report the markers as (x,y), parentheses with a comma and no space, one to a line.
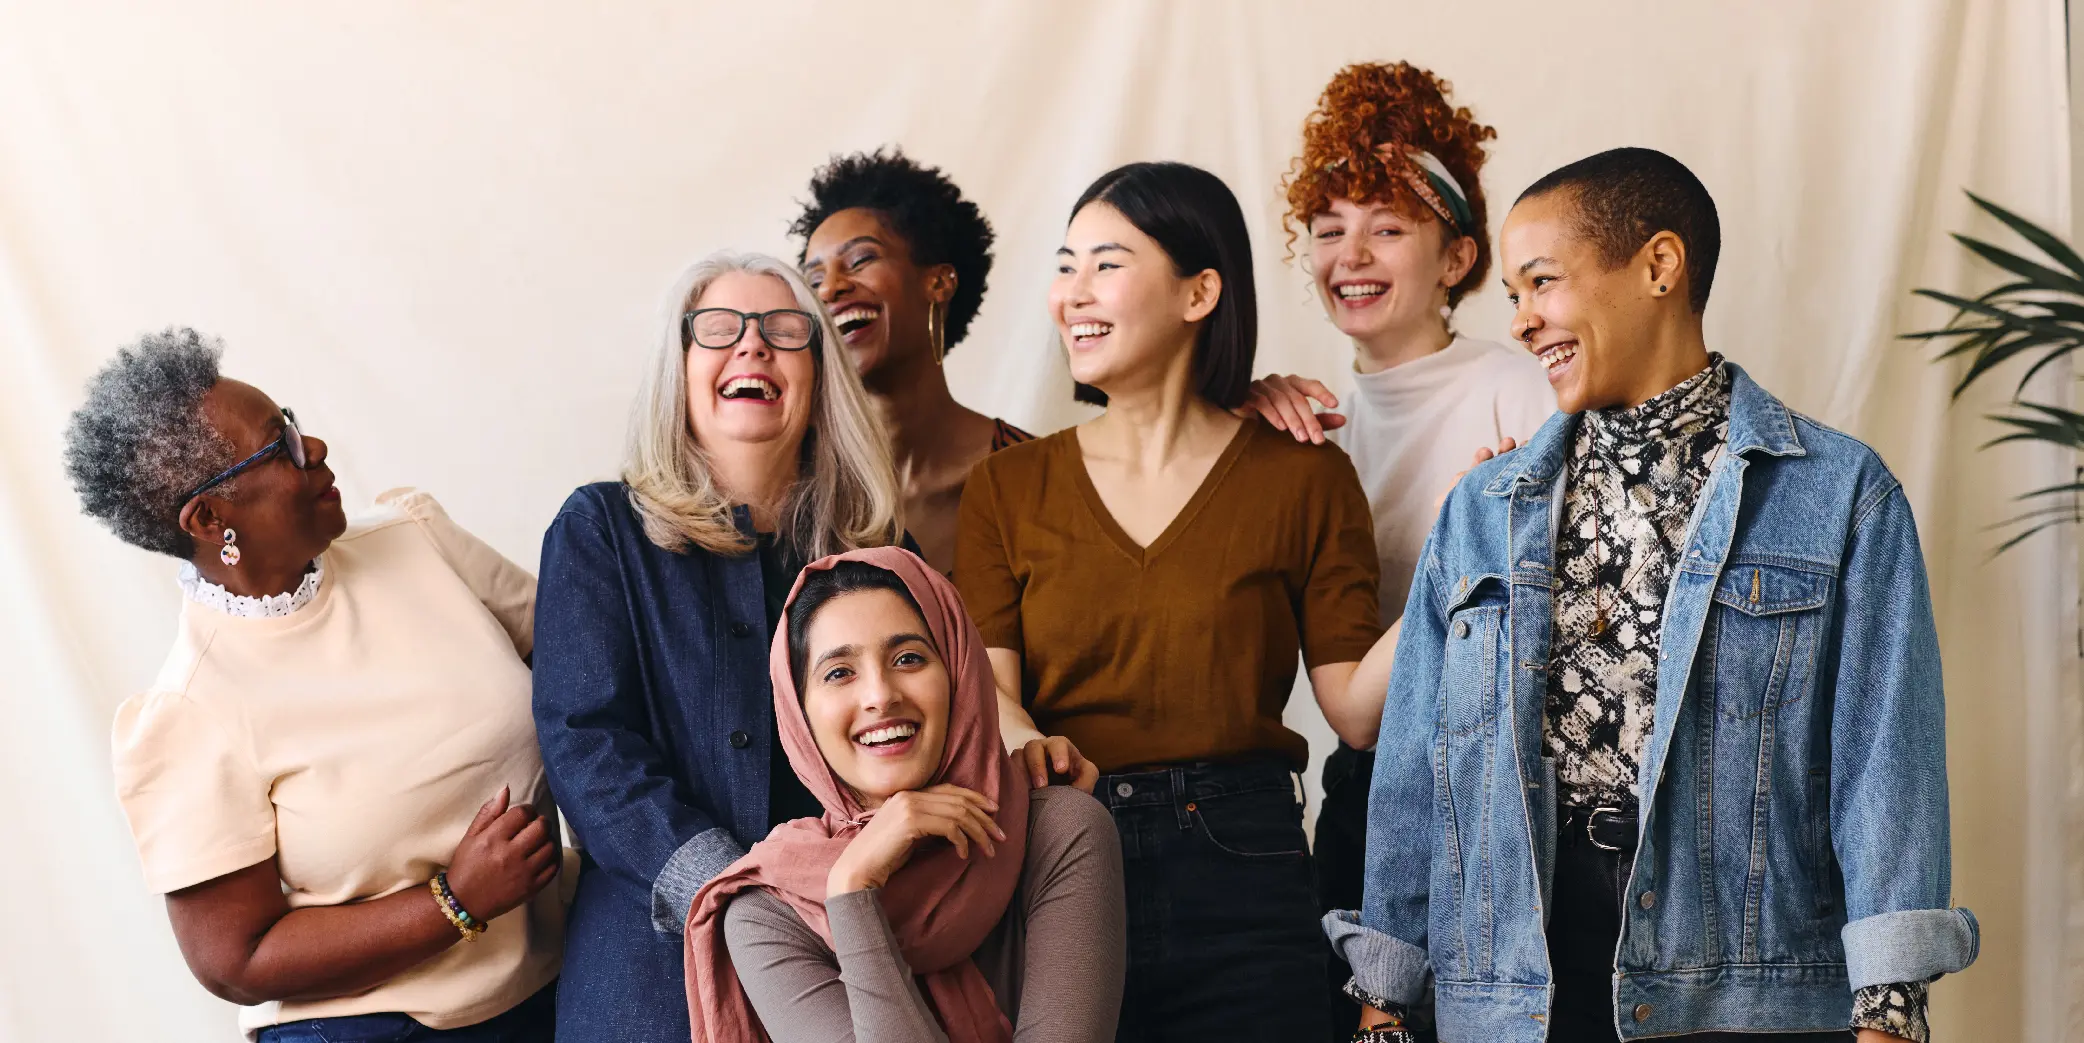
(1764,751)
(1471,661)
(1763,634)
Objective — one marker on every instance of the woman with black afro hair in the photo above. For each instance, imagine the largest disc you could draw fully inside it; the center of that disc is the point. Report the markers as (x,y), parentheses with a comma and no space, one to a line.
(901,259)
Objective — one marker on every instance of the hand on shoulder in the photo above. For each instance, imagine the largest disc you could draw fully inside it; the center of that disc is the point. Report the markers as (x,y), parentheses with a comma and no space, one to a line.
(1483,453)
(1284,402)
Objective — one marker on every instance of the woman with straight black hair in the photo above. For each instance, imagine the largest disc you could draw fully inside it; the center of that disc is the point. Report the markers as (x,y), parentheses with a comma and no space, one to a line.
(1143,583)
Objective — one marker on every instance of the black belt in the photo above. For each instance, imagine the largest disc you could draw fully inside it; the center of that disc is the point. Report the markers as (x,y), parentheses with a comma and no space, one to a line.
(1606,828)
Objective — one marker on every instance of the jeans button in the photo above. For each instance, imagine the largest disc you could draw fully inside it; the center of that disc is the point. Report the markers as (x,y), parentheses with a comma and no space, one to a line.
(1642,1012)
(740,630)
(1123,789)
(1461,628)
(1649,899)
(740,740)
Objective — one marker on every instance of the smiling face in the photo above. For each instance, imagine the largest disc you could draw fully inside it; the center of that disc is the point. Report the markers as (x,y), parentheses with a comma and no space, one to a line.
(879,298)
(749,392)
(1125,316)
(876,694)
(1381,273)
(1591,326)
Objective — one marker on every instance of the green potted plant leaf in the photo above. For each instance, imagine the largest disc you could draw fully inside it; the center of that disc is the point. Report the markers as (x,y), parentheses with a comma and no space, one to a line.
(2039,316)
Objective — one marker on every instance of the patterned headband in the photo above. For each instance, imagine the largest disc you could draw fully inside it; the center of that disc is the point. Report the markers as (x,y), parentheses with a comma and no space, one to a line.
(1429,180)
(1437,189)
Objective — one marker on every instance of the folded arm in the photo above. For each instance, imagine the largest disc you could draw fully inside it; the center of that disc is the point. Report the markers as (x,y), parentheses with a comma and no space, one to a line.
(246,946)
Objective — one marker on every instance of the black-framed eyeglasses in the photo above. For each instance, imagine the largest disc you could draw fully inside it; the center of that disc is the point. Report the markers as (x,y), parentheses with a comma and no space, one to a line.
(290,442)
(784,329)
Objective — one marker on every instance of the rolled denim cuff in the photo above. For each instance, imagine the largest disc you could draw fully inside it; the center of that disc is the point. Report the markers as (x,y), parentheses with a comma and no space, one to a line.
(673,890)
(1383,965)
(1909,945)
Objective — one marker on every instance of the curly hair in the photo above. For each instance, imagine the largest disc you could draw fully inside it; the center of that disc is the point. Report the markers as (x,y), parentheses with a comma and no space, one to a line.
(140,442)
(939,226)
(1366,107)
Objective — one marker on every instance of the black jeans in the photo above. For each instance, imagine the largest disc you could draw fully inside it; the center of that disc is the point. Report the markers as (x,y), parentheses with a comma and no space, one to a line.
(1341,853)
(1584,930)
(534,1020)
(1224,940)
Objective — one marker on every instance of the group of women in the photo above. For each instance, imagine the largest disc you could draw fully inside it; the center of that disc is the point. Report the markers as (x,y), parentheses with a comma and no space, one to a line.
(817,789)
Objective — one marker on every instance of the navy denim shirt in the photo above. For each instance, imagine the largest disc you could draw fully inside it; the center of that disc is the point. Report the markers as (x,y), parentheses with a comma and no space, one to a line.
(656,718)
(1794,841)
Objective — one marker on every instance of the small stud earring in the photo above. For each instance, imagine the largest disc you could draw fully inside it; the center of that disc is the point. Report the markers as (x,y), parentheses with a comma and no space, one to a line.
(230,553)
(1660,289)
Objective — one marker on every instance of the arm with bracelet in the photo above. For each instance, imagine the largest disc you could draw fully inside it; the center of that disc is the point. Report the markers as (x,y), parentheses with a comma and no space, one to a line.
(246,945)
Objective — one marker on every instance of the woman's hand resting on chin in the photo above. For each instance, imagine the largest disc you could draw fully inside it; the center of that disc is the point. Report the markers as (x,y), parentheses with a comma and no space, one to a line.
(962,817)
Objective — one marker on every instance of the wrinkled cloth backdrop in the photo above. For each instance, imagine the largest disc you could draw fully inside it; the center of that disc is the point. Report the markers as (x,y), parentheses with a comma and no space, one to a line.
(440,232)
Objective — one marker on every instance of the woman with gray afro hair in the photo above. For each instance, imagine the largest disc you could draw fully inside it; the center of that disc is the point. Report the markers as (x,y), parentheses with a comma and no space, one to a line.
(339,704)
(140,441)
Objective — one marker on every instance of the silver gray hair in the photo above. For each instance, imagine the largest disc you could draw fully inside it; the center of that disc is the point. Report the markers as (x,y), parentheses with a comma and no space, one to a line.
(140,442)
(845,496)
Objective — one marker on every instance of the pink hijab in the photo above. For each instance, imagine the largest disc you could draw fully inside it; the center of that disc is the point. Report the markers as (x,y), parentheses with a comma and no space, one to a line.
(940,906)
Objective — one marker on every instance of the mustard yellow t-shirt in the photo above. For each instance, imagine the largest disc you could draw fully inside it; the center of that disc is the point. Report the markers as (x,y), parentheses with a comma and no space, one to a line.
(353,740)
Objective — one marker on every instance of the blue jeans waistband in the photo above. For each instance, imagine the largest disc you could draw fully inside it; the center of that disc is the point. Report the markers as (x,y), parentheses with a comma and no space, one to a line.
(1171,785)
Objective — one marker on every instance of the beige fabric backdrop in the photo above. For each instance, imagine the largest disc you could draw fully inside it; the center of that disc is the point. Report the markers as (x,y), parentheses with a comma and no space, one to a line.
(439,231)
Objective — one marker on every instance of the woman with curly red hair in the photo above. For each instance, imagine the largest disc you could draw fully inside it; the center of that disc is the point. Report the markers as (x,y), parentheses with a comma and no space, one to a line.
(1388,191)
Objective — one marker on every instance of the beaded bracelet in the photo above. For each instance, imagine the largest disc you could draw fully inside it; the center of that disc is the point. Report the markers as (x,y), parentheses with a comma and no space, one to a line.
(1391,1029)
(1393,1032)
(468,925)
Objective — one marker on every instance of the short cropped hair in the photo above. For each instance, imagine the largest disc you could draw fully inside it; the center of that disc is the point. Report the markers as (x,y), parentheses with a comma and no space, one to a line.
(921,205)
(140,442)
(1626,195)
(1195,219)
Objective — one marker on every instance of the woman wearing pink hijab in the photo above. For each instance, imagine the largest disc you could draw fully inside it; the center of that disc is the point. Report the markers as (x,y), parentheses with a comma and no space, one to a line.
(938,898)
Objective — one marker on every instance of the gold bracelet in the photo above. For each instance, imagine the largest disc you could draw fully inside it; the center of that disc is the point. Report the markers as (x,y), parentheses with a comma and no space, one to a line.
(445,900)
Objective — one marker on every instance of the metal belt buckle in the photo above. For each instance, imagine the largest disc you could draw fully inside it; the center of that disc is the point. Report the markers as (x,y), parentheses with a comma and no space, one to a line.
(1592,820)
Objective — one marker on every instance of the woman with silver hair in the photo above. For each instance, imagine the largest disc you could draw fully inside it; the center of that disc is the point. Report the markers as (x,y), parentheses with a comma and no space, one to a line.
(752,450)
(308,778)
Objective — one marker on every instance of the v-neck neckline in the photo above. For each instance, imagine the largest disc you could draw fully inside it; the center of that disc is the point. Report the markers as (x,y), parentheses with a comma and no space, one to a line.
(1144,554)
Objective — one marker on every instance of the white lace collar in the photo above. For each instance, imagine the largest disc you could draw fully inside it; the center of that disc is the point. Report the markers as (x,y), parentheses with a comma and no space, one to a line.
(210,595)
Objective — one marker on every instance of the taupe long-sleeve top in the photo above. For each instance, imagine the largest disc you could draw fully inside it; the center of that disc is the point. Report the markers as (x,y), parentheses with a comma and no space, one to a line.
(1055,961)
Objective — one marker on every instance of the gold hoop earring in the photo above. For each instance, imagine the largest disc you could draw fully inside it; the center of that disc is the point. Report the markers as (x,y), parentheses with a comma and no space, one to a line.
(936,333)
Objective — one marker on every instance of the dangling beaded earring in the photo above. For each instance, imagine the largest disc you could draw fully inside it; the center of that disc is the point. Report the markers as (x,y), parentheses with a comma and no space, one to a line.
(230,552)
(1446,312)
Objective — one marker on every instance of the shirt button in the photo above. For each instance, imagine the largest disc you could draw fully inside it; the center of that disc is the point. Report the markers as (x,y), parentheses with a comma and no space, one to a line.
(1123,789)
(1649,899)
(1461,628)
(740,740)
(740,630)
(1642,1012)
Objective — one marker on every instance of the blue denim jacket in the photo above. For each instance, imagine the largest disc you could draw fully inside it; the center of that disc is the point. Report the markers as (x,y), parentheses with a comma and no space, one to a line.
(656,718)
(1794,841)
